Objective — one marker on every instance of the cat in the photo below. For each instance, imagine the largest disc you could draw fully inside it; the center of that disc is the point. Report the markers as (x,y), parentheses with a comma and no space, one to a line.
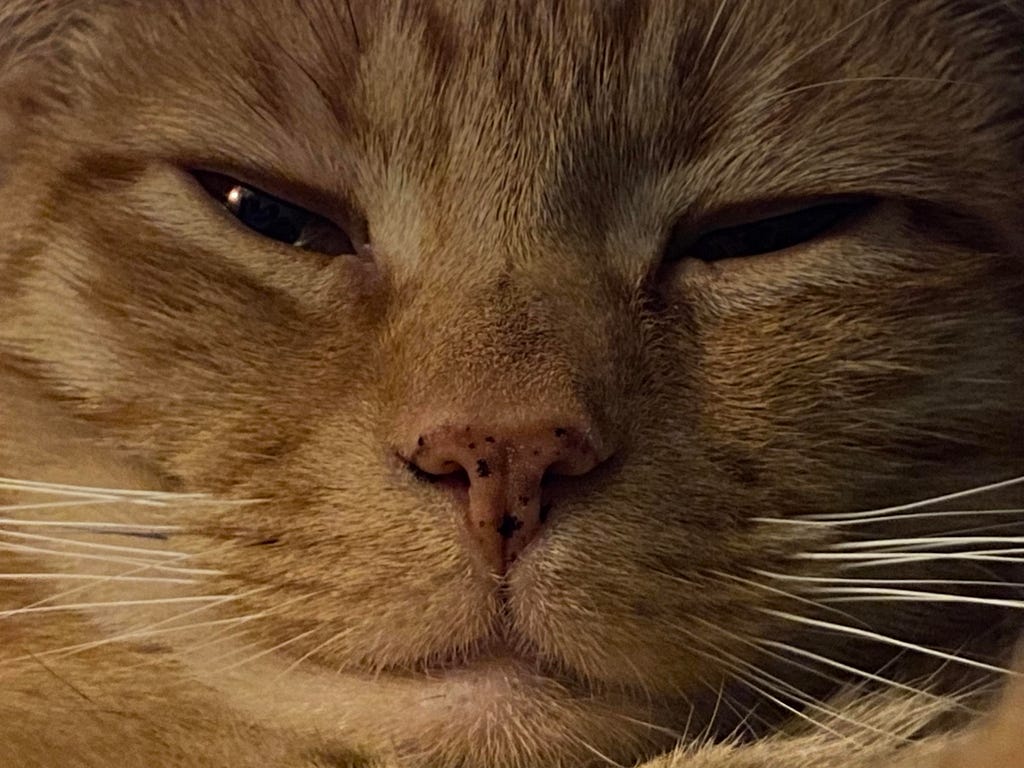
(511,385)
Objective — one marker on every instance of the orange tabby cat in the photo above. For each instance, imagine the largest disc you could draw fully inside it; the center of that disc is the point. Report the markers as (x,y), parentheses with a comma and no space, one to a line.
(511,385)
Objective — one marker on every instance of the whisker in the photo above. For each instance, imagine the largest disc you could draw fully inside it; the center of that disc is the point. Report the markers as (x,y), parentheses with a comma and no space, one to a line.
(108,495)
(111,604)
(113,560)
(138,631)
(130,572)
(757,647)
(783,593)
(157,553)
(829,580)
(89,527)
(918,504)
(814,521)
(800,695)
(55,504)
(872,559)
(336,637)
(261,614)
(896,595)
(266,651)
(748,674)
(872,676)
(140,497)
(91,577)
(652,726)
(925,542)
(869,635)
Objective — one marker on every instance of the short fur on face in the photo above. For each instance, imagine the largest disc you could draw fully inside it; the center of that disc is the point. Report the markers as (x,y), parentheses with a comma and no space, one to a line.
(512,173)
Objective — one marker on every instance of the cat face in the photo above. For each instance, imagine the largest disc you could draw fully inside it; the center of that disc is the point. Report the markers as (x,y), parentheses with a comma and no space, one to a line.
(515,424)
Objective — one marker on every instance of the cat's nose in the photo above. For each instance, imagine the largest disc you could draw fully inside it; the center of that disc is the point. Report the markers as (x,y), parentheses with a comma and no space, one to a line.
(498,476)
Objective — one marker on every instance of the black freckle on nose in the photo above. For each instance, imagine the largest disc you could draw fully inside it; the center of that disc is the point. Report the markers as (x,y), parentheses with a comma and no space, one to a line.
(472,446)
(421,442)
(268,542)
(489,439)
(509,525)
(559,432)
(545,510)
(524,500)
(482,470)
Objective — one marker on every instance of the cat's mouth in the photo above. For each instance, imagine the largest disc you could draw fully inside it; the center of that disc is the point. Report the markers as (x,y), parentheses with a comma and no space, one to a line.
(487,655)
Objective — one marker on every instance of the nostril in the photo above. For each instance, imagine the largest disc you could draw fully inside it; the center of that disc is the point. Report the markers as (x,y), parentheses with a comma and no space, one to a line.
(458,478)
(504,478)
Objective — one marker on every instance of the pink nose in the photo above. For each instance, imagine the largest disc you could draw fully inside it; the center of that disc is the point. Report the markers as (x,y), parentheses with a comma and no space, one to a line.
(504,468)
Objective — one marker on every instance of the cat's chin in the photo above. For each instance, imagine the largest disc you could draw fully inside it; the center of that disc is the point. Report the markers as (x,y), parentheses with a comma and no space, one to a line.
(493,711)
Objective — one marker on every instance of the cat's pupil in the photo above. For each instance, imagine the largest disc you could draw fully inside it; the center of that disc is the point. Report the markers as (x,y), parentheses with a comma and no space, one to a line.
(274,218)
(267,215)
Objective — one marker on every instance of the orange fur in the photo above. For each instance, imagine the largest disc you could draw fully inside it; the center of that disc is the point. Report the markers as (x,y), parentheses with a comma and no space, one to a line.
(512,173)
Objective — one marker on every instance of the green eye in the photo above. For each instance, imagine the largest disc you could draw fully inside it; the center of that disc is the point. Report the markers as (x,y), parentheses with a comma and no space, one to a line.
(776,233)
(275,218)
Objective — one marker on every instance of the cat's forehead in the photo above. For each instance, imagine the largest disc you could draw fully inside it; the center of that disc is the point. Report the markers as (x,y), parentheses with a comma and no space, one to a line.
(564,106)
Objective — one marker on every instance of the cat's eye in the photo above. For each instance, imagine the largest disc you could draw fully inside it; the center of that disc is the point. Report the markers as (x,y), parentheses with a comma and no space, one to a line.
(765,235)
(275,218)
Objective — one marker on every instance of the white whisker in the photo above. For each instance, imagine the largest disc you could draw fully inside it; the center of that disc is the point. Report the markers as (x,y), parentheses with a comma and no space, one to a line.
(91,577)
(137,632)
(97,495)
(156,553)
(678,736)
(868,635)
(113,560)
(874,677)
(337,636)
(236,635)
(111,604)
(814,521)
(782,593)
(894,595)
(872,559)
(748,674)
(130,572)
(89,527)
(63,489)
(830,580)
(918,504)
(54,505)
(91,494)
(265,652)
(926,542)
